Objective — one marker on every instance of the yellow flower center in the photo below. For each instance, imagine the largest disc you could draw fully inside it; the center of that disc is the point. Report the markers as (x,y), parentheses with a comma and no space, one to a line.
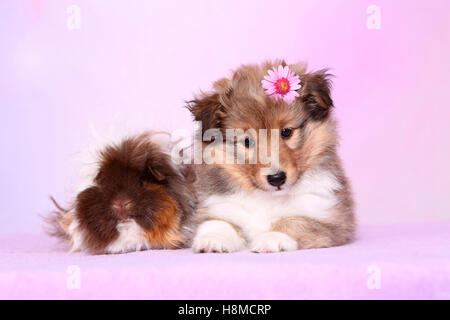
(284,85)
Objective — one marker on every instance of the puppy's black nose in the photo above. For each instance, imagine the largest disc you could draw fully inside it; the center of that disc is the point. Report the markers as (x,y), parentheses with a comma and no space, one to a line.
(277,179)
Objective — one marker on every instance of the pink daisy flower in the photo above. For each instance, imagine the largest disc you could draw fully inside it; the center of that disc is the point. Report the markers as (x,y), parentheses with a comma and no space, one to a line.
(282,83)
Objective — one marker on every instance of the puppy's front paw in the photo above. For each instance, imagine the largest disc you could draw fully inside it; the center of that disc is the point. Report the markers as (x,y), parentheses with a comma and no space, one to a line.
(273,242)
(217,236)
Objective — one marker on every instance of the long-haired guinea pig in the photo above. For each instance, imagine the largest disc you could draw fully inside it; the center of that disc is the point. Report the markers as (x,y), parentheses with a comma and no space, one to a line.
(138,200)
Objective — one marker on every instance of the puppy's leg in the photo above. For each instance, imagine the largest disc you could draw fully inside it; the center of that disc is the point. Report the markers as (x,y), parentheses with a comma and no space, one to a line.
(273,241)
(217,236)
(311,233)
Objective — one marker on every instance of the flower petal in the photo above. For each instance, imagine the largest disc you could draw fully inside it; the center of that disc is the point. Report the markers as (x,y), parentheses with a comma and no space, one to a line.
(267,85)
(276,95)
(270,79)
(291,74)
(280,71)
(288,98)
(295,81)
(295,87)
(271,91)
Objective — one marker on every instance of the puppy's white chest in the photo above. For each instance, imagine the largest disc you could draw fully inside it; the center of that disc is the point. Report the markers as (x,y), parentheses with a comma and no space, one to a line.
(255,212)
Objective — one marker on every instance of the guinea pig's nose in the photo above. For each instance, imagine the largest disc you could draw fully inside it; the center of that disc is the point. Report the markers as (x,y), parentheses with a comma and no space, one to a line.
(121,208)
(277,179)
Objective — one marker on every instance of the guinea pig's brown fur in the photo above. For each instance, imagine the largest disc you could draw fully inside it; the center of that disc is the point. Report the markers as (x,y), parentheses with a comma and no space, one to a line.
(138,200)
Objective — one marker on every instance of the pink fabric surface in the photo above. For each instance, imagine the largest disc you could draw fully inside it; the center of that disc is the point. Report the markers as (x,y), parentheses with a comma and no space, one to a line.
(413,263)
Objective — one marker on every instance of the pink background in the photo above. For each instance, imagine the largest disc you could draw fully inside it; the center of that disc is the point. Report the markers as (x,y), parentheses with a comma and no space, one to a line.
(135,62)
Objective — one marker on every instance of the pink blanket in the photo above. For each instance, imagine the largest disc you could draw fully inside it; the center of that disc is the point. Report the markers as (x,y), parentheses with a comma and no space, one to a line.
(385,262)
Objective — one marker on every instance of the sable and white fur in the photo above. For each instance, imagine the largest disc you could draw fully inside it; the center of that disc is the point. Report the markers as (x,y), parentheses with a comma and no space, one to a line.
(237,207)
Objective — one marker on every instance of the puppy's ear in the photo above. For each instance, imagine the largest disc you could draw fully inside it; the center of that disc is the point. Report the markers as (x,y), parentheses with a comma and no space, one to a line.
(315,94)
(210,108)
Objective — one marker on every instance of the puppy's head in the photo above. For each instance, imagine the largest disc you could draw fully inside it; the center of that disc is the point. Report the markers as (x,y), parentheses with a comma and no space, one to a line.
(301,133)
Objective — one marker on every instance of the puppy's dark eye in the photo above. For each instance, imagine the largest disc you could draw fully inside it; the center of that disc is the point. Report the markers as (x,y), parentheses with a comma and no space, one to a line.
(286,133)
(141,183)
(249,142)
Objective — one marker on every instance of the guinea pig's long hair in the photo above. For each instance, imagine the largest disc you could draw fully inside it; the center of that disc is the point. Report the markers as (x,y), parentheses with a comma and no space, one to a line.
(135,182)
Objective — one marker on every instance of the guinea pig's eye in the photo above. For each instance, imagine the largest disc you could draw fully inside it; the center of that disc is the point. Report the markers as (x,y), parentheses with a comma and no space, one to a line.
(249,142)
(286,133)
(141,183)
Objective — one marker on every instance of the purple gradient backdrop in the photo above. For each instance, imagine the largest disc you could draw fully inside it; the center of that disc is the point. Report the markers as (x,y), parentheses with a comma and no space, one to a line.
(137,61)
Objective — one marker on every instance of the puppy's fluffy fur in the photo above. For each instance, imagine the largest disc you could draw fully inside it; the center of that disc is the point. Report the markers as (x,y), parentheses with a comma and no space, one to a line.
(237,206)
(137,200)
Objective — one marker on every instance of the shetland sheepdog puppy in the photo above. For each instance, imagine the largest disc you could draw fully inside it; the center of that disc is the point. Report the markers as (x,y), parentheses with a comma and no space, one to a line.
(304,200)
